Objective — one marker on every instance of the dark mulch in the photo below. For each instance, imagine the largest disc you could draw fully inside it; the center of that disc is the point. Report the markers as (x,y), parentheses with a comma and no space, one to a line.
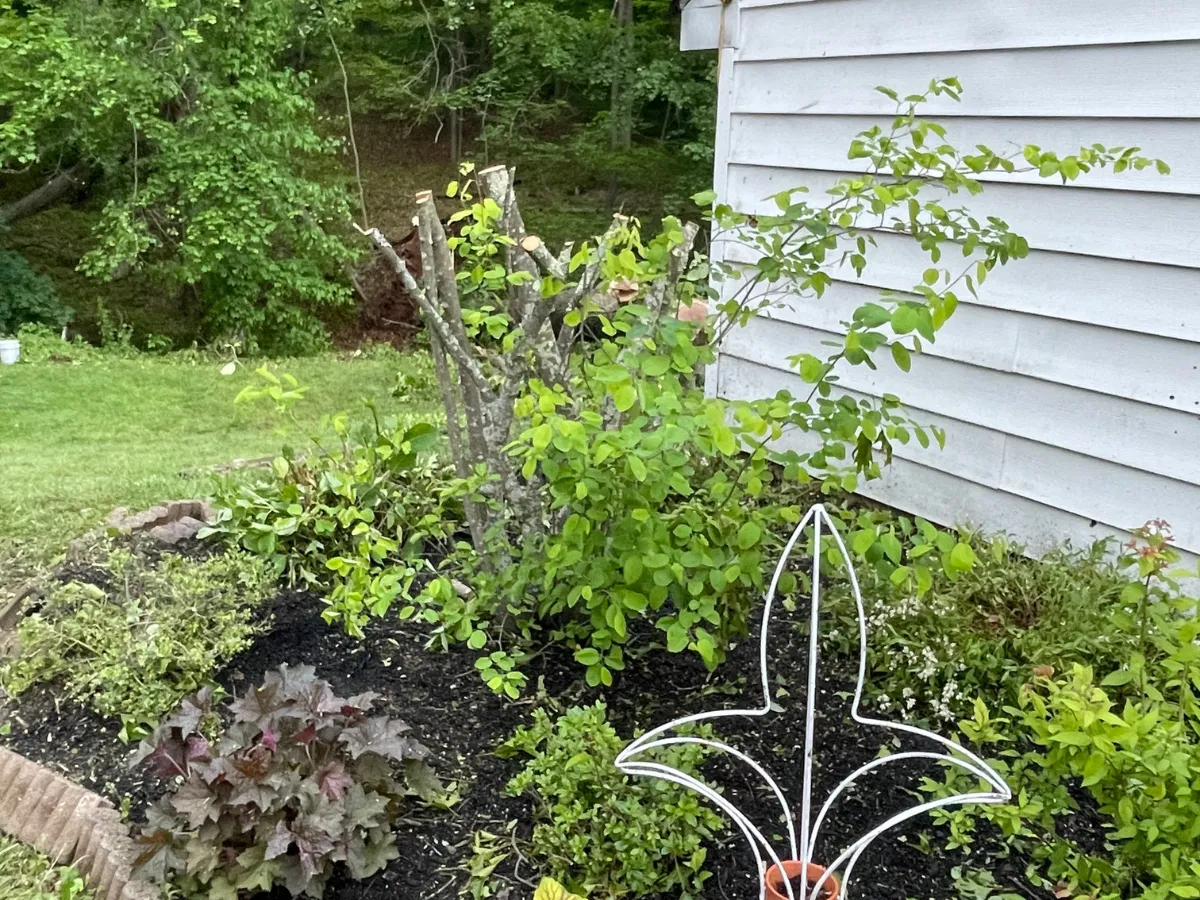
(461,721)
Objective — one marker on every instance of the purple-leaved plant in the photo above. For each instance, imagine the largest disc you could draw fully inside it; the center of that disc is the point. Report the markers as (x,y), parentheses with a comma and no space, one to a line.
(299,781)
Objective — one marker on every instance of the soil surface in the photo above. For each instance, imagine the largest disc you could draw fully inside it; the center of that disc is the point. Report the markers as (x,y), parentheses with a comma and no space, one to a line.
(452,712)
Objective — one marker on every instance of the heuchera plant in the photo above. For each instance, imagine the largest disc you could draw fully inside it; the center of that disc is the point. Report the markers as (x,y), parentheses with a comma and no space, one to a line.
(299,781)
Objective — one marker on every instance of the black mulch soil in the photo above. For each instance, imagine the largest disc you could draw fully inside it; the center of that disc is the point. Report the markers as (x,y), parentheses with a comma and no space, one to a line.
(441,696)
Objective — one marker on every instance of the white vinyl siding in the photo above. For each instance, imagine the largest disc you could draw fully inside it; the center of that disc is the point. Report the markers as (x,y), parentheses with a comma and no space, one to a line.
(1070,389)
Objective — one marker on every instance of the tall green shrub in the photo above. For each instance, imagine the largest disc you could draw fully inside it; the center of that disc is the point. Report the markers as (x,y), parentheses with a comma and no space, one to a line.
(27,298)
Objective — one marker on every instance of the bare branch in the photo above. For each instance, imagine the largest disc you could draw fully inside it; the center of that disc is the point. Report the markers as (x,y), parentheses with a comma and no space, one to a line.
(458,352)
(45,195)
(547,261)
(664,288)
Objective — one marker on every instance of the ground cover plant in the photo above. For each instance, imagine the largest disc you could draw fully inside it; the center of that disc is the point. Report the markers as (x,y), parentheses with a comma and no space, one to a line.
(131,635)
(26,874)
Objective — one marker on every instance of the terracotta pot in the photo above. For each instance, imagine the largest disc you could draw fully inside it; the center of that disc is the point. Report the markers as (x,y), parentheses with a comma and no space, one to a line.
(791,868)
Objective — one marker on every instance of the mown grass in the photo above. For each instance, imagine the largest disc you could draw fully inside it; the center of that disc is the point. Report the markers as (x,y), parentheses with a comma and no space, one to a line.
(77,439)
(26,874)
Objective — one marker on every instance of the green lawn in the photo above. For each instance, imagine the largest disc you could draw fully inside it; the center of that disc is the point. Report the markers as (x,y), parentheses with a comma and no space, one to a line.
(78,439)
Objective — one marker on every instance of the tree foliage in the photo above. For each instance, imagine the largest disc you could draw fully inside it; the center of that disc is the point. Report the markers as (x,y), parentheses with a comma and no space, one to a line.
(516,70)
(200,126)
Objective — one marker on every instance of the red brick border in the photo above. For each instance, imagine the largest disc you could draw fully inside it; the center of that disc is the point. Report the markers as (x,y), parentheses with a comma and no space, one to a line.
(71,825)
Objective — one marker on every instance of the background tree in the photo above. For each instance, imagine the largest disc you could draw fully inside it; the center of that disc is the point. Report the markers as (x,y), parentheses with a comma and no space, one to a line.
(195,123)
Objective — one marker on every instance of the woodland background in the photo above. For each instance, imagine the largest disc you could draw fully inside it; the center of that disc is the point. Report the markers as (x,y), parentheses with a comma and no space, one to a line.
(188,170)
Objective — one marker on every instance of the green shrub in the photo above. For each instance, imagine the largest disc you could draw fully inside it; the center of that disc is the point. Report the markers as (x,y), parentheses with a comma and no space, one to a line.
(951,618)
(26,297)
(617,492)
(157,633)
(1126,734)
(352,521)
(600,832)
(301,780)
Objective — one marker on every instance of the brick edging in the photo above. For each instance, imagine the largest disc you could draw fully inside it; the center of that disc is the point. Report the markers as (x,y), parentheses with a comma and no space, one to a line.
(71,825)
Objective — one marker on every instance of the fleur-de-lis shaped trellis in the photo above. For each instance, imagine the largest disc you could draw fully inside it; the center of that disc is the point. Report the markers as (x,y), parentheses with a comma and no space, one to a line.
(802,841)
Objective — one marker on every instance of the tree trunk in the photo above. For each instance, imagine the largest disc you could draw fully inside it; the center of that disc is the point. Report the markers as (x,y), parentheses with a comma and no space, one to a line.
(46,195)
(621,103)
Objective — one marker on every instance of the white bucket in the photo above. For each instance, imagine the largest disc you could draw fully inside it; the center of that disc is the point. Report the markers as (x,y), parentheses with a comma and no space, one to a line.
(10,352)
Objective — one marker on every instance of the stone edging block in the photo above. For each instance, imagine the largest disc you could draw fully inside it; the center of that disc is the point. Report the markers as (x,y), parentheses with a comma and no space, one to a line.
(71,825)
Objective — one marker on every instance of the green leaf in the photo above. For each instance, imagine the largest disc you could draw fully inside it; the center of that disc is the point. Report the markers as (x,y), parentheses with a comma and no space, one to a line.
(748,535)
(677,638)
(1094,769)
(891,547)
(638,468)
(542,436)
(863,541)
(811,369)
(1071,738)
(1132,594)
(633,569)
(549,889)
(625,397)
(656,366)
(905,319)
(962,557)
(902,357)
(587,656)
(1118,678)
(611,374)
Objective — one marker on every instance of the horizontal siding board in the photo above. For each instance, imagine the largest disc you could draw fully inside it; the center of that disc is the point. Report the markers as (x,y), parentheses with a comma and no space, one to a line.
(1154,300)
(1146,368)
(950,501)
(1123,81)
(1090,488)
(822,142)
(976,453)
(1159,228)
(815,30)
(1132,434)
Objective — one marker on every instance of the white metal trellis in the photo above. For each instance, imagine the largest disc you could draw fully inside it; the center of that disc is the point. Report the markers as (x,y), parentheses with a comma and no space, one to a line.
(801,845)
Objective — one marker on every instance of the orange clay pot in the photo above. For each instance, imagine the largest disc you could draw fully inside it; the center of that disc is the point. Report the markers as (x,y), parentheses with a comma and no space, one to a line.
(791,868)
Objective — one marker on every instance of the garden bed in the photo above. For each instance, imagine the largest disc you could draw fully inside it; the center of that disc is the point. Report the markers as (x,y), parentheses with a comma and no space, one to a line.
(441,696)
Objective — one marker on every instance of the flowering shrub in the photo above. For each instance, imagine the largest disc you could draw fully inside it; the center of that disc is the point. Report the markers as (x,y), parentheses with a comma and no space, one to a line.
(301,780)
(1122,732)
(978,619)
